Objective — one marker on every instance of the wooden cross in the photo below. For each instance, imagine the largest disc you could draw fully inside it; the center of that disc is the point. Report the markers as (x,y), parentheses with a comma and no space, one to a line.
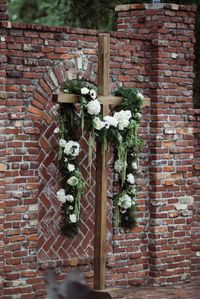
(105,100)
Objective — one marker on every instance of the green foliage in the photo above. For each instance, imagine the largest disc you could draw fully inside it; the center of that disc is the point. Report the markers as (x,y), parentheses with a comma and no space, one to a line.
(37,11)
(120,130)
(181,1)
(80,13)
(128,218)
(68,127)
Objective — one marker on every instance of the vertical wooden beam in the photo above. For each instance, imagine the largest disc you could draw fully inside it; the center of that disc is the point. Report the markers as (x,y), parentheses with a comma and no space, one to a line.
(104,63)
(101,170)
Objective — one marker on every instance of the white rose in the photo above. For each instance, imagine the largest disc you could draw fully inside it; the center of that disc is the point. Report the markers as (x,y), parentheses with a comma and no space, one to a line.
(93,107)
(73,181)
(70,208)
(130,178)
(133,191)
(57,130)
(84,90)
(125,201)
(62,142)
(61,195)
(138,115)
(121,127)
(123,117)
(72,148)
(72,218)
(98,123)
(93,94)
(134,165)
(69,198)
(110,121)
(140,96)
(70,167)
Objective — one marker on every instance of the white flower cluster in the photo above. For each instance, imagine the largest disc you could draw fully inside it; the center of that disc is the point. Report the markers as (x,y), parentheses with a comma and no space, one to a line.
(92,92)
(130,178)
(69,198)
(72,148)
(125,202)
(84,90)
(134,165)
(123,118)
(62,142)
(57,130)
(72,181)
(72,218)
(63,197)
(110,121)
(98,123)
(71,167)
(93,107)
(140,96)
(138,115)
(120,119)
(107,122)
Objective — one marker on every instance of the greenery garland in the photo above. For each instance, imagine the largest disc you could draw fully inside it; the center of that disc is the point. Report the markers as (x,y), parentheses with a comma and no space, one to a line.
(120,130)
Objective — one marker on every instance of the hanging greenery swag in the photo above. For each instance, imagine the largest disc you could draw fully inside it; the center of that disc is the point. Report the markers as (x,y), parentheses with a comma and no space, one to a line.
(120,130)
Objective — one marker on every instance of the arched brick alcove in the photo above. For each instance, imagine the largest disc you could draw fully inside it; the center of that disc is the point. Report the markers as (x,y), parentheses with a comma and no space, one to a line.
(51,244)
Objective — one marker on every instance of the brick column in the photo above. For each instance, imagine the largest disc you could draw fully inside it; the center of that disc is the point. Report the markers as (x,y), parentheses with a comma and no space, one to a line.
(3,117)
(3,12)
(170,28)
(195,118)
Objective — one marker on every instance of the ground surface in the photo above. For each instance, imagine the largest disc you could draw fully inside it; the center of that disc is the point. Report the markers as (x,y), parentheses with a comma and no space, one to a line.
(181,291)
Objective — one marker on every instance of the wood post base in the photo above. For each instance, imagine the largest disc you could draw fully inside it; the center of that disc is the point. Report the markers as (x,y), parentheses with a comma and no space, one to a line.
(111,293)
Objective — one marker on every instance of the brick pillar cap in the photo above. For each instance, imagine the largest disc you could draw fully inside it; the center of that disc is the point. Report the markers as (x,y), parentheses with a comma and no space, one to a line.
(127,7)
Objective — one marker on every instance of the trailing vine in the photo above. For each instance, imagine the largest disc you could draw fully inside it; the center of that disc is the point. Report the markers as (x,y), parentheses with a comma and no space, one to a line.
(119,129)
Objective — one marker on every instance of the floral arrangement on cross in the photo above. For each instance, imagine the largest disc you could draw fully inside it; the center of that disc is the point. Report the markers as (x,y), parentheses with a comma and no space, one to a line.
(119,129)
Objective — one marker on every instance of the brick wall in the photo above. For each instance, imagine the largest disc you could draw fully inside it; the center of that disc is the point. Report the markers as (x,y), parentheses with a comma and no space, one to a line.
(39,59)
(3,117)
(195,118)
(36,60)
(171,29)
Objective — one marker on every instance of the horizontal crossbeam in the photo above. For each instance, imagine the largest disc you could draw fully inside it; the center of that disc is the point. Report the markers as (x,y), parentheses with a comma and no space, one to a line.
(104,100)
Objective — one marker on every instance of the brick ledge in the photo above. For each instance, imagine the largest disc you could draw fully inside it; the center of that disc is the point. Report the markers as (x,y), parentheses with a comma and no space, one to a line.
(127,7)
(69,262)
